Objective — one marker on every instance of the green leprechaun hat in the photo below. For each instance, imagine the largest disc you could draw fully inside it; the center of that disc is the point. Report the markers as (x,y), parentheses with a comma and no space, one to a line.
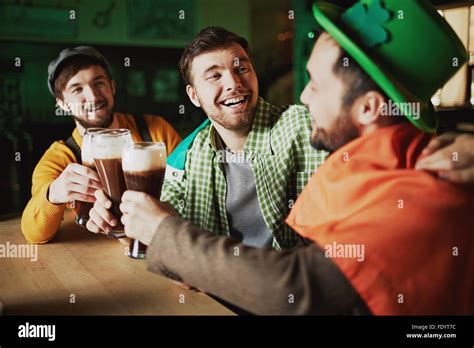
(405,46)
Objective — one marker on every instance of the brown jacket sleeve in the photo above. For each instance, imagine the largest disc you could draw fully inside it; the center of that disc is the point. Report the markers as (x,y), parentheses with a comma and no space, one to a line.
(261,281)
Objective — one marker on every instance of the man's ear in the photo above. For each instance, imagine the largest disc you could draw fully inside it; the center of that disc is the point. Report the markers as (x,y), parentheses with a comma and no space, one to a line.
(112,84)
(368,108)
(62,104)
(192,95)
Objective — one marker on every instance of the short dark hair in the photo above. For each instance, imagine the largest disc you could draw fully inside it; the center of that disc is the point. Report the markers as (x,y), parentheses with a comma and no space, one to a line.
(207,40)
(358,82)
(70,68)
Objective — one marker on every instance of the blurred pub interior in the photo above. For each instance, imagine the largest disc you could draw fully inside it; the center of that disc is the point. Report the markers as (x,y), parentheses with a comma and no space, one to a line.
(150,35)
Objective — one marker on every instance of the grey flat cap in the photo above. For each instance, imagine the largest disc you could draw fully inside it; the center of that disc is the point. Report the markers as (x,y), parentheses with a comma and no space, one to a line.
(54,68)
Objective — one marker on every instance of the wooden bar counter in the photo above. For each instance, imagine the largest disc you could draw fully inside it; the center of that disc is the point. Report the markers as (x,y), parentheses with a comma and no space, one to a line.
(80,273)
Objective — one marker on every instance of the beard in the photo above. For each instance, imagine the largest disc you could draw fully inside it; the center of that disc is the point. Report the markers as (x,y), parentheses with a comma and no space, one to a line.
(343,132)
(241,120)
(101,122)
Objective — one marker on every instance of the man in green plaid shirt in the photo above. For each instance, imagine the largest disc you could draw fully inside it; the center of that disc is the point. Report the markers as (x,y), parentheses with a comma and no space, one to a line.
(271,141)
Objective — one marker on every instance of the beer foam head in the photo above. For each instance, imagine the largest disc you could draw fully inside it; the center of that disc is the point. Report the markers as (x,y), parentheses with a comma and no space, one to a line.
(142,157)
(109,143)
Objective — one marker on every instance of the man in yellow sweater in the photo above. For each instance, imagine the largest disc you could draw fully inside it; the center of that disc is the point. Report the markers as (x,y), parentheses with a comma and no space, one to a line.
(81,82)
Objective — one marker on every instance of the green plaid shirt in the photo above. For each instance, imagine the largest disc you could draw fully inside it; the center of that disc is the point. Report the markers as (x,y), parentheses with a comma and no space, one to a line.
(281,159)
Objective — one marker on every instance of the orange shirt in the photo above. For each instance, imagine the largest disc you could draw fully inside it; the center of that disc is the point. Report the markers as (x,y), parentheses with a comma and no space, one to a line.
(415,231)
(41,219)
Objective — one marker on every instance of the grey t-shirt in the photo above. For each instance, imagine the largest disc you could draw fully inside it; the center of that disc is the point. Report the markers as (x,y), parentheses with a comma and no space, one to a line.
(243,209)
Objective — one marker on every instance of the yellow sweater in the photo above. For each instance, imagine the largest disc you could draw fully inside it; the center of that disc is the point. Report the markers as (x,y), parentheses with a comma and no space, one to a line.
(41,219)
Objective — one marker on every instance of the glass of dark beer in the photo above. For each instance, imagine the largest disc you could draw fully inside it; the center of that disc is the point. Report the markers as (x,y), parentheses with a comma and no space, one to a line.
(144,166)
(107,148)
(87,160)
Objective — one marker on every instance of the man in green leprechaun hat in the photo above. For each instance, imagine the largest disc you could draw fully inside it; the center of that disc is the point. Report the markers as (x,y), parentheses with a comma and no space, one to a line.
(411,225)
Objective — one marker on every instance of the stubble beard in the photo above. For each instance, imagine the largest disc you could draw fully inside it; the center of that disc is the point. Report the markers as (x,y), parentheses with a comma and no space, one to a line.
(102,122)
(343,132)
(234,122)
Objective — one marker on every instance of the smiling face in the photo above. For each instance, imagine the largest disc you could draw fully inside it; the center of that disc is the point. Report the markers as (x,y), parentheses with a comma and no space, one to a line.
(89,96)
(225,86)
